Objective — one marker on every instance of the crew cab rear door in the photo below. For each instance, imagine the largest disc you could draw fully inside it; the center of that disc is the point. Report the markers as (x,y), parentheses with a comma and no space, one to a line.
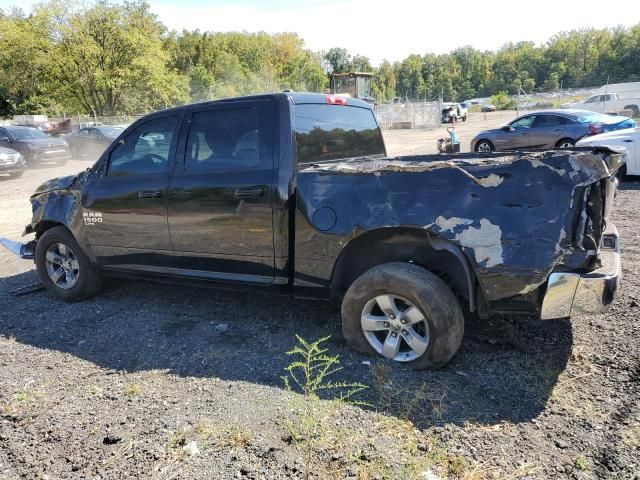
(221,193)
(125,209)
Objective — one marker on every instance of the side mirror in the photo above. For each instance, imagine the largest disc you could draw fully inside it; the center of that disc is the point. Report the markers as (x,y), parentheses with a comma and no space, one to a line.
(5,139)
(508,128)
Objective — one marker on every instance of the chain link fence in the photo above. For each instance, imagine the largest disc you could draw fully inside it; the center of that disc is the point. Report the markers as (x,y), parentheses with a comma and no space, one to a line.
(409,115)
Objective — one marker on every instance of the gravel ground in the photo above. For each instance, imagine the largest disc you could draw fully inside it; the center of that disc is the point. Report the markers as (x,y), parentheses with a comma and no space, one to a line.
(160,381)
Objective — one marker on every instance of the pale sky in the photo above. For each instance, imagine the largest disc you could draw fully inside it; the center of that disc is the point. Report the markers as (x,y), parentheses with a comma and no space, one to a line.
(396,28)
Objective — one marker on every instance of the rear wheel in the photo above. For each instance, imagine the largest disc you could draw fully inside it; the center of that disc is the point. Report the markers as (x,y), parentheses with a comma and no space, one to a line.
(484,146)
(63,267)
(634,109)
(404,313)
(464,119)
(565,143)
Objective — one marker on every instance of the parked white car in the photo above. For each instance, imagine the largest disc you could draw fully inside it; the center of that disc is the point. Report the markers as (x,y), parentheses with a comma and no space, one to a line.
(606,103)
(628,138)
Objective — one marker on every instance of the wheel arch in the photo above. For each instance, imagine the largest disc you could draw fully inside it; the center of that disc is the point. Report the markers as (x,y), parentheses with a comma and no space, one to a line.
(411,245)
(562,139)
(46,224)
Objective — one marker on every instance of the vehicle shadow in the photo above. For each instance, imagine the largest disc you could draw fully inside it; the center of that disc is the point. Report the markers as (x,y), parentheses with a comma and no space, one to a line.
(505,370)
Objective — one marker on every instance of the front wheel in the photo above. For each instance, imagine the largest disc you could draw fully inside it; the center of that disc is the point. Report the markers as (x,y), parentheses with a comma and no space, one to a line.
(63,267)
(404,313)
(484,146)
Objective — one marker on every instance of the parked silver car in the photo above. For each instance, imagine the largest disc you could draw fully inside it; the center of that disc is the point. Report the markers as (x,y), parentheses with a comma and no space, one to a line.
(548,129)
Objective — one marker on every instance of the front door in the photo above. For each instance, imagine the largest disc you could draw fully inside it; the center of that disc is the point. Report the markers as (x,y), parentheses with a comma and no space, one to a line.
(221,194)
(125,209)
(517,136)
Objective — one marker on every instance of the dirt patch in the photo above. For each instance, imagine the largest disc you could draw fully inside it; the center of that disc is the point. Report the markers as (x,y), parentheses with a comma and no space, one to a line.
(157,381)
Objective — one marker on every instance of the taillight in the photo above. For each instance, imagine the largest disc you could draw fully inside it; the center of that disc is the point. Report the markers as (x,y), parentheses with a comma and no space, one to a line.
(594,129)
(335,100)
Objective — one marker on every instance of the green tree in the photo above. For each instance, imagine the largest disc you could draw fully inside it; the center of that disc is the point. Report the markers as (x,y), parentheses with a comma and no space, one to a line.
(339,59)
(110,59)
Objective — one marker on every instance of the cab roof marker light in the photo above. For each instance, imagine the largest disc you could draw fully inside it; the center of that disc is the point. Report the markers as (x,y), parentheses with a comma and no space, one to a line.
(335,100)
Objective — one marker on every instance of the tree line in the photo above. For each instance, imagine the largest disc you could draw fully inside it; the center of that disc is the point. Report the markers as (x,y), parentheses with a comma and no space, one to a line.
(106,59)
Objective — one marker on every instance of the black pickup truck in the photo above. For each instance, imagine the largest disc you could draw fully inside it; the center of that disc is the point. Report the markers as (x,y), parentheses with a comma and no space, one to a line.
(294,193)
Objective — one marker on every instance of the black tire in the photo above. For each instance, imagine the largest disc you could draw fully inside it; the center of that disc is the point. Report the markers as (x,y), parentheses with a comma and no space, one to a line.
(565,143)
(425,290)
(634,109)
(487,143)
(89,281)
(464,119)
(621,174)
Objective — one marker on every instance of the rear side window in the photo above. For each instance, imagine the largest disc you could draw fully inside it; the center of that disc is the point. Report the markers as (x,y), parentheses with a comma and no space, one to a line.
(329,132)
(225,139)
(548,121)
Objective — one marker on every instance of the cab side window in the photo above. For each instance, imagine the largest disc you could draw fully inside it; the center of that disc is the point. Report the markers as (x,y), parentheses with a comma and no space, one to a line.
(548,121)
(146,150)
(225,139)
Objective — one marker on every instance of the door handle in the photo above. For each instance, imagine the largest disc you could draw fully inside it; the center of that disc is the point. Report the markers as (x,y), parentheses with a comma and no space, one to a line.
(248,192)
(149,194)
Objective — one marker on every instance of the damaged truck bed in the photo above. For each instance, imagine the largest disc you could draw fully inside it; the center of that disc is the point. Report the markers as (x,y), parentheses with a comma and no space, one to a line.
(294,193)
(517,217)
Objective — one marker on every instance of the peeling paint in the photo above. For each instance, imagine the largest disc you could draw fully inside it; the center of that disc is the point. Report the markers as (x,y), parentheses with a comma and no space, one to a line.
(448,224)
(537,163)
(492,180)
(485,241)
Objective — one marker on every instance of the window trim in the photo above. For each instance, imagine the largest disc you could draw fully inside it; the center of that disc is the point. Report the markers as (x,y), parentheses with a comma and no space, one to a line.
(179,116)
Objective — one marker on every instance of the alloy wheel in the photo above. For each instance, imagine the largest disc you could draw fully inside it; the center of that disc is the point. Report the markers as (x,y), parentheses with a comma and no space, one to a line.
(395,327)
(483,147)
(62,266)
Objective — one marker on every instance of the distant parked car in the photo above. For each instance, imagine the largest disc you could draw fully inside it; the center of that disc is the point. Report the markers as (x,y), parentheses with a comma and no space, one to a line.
(11,162)
(452,112)
(488,108)
(548,129)
(92,141)
(628,138)
(33,145)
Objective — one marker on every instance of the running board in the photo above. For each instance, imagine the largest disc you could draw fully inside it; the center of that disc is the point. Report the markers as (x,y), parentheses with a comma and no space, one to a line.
(27,289)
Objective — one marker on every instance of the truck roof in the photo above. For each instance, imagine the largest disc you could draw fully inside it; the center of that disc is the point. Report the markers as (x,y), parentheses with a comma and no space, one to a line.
(296,97)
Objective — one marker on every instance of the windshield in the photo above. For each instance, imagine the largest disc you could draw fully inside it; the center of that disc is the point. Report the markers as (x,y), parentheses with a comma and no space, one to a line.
(111,132)
(599,118)
(26,133)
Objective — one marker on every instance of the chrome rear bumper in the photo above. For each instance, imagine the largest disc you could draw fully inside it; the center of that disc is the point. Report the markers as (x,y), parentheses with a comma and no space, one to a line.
(571,294)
